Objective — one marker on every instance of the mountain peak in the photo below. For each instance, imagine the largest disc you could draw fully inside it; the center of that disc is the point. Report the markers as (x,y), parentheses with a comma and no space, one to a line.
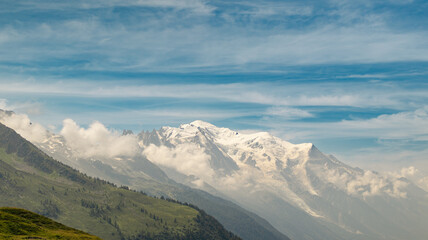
(127,132)
(202,124)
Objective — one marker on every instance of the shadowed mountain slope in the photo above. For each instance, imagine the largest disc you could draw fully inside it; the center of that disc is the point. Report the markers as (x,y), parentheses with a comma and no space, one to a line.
(30,179)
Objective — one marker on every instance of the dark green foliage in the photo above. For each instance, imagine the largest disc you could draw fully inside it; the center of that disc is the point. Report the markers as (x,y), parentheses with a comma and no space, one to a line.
(209,228)
(50,209)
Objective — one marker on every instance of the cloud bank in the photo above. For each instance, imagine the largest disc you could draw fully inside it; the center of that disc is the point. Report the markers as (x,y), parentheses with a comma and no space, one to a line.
(98,141)
(33,132)
(188,159)
(413,174)
(367,183)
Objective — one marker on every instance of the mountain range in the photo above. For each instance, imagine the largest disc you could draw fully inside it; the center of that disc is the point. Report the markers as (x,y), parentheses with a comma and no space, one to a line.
(281,189)
(290,185)
(32,180)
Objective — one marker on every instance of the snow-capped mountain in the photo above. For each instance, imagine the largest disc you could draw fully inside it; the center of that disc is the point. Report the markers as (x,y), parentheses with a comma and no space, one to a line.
(300,190)
(118,158)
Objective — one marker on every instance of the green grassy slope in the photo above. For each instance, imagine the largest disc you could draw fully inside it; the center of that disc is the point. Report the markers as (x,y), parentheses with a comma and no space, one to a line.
(30,179)
(16,223)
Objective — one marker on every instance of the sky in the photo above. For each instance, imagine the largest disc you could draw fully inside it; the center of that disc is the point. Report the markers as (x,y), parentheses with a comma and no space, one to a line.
(349,76)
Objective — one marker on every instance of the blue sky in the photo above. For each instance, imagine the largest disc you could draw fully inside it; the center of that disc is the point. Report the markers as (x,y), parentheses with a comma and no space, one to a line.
(349,76)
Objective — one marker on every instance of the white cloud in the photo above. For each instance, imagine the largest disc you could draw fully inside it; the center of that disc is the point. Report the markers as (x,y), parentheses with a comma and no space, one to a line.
(98,141)
(408,172)
(412,125)
(189,114)
(276,94)
(197,6)
(265,9)
(3,104)
(33,132)
(188,159)
(288,113)
(366,76)
(402,126)
(328,100)
(389,158)
(28,107)
(413,174)
(423,183)
(366,184)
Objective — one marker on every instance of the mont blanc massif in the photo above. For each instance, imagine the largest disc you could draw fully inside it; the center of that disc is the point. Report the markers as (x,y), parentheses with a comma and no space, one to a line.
(255,184)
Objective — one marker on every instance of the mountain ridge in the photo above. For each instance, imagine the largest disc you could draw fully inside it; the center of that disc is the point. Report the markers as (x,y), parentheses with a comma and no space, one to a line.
(294,176)
(290,185)
(140,174)
(33,180)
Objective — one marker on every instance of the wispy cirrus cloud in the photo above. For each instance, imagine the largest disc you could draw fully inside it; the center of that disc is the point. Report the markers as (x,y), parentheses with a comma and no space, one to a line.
(263,9)
(412,125)
(378,94)
(152,50)
(219,39)
(197,6)
(405,126)
(288,113)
